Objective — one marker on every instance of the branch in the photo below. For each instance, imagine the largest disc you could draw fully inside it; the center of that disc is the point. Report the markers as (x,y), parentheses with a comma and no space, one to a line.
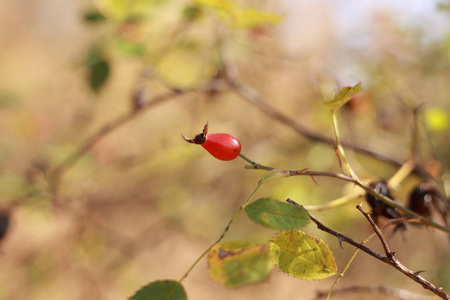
(389,259)
(370,191)
(58,172)
(395,292)
(256,166)
(258,100)
(388,251)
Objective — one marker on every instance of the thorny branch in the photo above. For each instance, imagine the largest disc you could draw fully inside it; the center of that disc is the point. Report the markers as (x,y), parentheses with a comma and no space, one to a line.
(388,259)
(377,230)
(368,190)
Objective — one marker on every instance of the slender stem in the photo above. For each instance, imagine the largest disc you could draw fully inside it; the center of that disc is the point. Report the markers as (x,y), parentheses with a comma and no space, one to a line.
(340,240)
(377,230)
(339,145)
(402,173)
(254,97)
(402,208)
(370,191)
(254,165)
(351,260)
(343,272)
(357,182)
(335,203)
(390,259)
(227,228)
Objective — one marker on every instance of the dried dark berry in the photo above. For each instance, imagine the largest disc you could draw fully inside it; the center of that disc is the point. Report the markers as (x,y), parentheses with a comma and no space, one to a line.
(379,208)
(421,199)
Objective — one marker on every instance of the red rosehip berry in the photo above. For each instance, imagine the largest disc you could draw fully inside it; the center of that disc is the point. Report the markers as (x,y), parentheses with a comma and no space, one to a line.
(222,146)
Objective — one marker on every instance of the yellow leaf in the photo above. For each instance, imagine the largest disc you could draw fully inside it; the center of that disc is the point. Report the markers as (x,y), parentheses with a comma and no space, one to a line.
(238,263)
(344,95)
(301,255)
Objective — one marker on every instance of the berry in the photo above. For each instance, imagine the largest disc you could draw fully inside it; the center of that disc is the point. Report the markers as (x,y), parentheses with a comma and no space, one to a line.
(421,199)
(222,146)
(379,208)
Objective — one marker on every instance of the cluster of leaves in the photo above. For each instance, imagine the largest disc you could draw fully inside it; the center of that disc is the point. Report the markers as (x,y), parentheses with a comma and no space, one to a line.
(294,252)
(131,17)
(238,263)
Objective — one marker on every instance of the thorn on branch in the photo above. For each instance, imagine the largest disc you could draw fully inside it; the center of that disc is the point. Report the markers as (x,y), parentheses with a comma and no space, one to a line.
(390,261)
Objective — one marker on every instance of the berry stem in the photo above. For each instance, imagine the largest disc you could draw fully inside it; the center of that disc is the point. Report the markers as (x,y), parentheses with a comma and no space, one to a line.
(254,165)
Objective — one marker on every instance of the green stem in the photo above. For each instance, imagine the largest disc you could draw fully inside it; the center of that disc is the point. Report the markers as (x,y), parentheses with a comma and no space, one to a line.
(227,228)
(254,165)
(402,173)
(356,181)
(370,191)
(339,145)
(347,266)
(335,203)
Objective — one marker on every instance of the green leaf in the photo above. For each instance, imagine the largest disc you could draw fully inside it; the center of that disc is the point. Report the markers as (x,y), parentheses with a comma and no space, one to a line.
(301,255)
(238,263)
(437,119)
(98,69)
(161,290)
(277,215)
(344,95)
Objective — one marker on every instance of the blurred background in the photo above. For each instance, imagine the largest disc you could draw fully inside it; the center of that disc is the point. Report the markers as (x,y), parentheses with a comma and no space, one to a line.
(140,204)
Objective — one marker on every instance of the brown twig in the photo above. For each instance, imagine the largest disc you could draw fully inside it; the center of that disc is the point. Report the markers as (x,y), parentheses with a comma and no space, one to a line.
(356,181)
(389,259)
(395,292)
(377,230)
(58,172)
(260,102)
(370,191)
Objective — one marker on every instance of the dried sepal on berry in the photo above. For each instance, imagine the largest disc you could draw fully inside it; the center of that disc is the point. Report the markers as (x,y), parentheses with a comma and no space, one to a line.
(222,146)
